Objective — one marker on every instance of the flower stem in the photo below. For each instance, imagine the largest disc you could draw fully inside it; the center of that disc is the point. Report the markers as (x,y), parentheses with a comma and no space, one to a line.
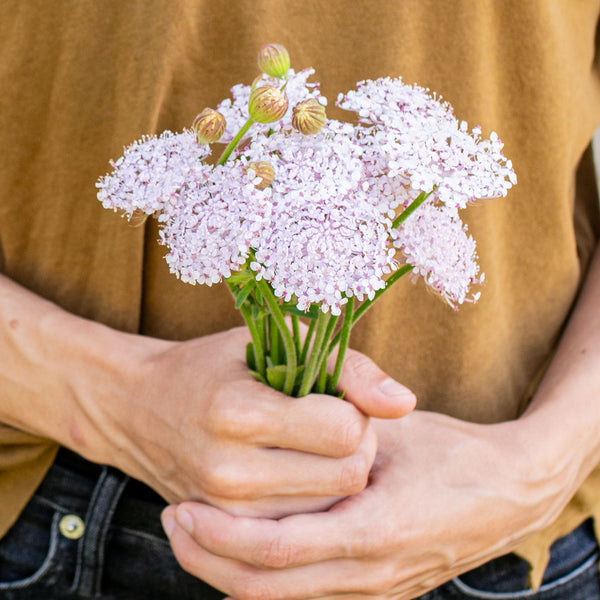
(312,367)
(296,333)
(257,340)
(307,340)
(411,208)
(344,338)
(286,336)
(235,141)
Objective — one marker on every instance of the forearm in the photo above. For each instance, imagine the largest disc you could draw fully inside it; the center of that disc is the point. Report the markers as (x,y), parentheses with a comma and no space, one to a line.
(47,353)
(560,427)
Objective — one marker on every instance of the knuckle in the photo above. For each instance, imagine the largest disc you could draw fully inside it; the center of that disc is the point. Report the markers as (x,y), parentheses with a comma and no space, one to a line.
(274,554)
(354,475)
(228,480)
(231,416)
(358,365)
(349,435)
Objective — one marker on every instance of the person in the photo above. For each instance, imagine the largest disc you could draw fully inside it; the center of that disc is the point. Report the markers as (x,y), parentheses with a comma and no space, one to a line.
(140,380)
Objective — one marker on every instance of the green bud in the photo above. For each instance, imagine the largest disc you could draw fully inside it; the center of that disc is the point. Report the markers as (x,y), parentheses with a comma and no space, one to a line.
(267,104)
(274,60)
(308,117)
(209,126)
(263,170)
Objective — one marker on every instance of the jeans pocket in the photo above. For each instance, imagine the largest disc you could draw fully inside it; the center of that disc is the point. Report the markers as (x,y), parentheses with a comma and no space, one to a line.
(29,551)
(581,583)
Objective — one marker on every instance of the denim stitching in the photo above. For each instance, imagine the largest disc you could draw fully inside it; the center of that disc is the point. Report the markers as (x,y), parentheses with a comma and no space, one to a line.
(469,591)
(142,534)
(45,566)
(54,505)
(103,532)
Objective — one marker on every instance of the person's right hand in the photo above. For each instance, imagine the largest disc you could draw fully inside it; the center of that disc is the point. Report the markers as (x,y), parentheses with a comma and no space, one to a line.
(189,420)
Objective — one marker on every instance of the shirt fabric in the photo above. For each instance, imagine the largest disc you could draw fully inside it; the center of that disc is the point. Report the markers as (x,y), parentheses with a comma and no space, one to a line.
(81,79)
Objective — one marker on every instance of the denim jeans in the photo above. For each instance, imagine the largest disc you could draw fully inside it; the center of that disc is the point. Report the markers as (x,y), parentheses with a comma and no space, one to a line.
(571,574)
(90,532)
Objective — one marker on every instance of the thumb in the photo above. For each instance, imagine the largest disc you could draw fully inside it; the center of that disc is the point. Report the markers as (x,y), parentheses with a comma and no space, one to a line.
(372,390)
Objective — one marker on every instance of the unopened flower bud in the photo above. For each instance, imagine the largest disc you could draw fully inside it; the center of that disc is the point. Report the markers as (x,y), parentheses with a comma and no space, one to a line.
(267,104)
(209,126)
(308,117)
(264,171)
(274,60)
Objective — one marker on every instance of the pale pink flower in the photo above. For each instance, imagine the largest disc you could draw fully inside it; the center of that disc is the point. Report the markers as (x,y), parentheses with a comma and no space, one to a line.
(414,138)
(435,242)
(326,237)
(151,172)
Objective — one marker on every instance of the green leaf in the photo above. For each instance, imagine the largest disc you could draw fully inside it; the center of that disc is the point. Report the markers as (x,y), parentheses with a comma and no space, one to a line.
(240,277)
(276,376)
(242,294)
(258,376)
(292,309)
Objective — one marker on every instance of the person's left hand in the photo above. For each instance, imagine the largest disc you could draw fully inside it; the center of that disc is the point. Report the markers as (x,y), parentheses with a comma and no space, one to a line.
(444,497)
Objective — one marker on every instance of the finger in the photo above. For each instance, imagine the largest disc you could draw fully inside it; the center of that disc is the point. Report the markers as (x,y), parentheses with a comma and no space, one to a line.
(371,390)
(290,542)
(266,473)
(251,412)
(246,582)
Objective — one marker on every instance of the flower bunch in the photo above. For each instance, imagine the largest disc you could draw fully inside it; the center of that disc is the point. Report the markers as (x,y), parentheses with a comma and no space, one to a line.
(305,216)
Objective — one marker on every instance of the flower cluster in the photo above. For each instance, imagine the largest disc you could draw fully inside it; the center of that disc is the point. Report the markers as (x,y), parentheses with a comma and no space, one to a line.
(413,137)
(325,238)
(306,215)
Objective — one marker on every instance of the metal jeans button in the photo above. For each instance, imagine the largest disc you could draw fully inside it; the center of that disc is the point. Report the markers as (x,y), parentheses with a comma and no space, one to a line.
(72,527)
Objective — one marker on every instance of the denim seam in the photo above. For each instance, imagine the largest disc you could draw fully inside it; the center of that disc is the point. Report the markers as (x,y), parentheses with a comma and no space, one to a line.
(466,589)
(120,486)
(142,534)
(56,506)
(45,566)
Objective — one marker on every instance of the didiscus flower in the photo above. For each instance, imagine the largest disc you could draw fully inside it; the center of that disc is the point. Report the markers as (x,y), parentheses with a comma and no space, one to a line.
(213,221)
(326,237)
(414,137)
(151,172)
(435,242)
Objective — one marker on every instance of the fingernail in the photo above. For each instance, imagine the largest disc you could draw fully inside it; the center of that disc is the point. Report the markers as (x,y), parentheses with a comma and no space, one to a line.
(184,520)
(168,523)
(390,387)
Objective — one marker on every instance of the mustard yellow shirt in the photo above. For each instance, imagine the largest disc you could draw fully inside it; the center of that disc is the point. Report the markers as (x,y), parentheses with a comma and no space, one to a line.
(79,79)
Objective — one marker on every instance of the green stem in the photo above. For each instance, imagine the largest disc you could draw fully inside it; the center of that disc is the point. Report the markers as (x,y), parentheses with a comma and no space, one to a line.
(296,333)
(309,334)
(235,141)
(286,336)
(412,207)
(312,367)
(274,337)
(344,339)
(259,351)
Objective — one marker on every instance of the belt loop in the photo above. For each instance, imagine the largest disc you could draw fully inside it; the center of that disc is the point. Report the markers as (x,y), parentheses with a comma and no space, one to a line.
(90,551)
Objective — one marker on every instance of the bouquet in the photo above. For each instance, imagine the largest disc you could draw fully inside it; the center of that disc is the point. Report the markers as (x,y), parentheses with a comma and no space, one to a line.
(311,219)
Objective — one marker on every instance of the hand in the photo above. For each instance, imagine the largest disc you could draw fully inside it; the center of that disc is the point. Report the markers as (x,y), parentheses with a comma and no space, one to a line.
(186,417)
(189,420)
(444,497)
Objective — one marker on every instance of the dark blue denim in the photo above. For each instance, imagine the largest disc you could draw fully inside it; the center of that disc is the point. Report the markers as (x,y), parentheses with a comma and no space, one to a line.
(572,574)
(123,553)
